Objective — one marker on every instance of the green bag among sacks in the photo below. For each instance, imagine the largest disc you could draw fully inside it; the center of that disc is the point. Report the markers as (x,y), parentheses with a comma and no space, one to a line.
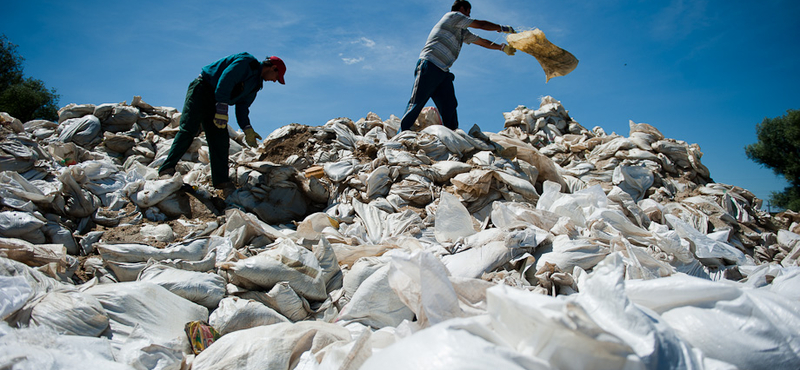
(554,60)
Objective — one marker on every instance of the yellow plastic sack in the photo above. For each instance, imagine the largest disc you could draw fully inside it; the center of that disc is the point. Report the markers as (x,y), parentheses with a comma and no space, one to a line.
(554,60)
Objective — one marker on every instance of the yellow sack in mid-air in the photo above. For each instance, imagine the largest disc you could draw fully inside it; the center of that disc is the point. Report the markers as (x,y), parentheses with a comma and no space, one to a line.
(554,60)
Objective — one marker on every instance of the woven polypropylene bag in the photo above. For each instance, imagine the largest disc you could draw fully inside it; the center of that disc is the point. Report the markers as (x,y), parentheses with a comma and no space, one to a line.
(554,60)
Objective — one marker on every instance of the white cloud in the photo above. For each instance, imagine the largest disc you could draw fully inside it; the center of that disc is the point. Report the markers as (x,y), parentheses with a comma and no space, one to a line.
(367,42)
(353,60)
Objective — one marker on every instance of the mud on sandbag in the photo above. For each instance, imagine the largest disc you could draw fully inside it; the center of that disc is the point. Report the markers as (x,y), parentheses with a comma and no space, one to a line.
(554,60)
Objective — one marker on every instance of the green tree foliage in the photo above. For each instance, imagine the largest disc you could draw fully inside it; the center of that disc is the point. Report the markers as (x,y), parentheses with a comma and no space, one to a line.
(23,98)
(778,148)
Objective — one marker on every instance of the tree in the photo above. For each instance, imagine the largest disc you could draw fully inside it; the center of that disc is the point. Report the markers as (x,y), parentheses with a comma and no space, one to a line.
(23,98)
(778,148)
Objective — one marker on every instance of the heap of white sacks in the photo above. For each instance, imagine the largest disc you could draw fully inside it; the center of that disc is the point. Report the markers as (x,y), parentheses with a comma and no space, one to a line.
(543,246)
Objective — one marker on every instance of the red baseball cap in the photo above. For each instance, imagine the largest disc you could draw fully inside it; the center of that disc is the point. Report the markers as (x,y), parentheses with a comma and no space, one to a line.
(281,68)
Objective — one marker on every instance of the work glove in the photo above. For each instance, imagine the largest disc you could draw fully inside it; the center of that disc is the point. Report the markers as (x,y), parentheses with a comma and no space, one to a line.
(507,29)
(250,137)
(507,49)
(221,117)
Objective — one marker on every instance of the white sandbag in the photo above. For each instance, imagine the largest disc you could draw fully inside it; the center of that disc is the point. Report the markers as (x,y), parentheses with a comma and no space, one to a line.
(752,328)
(70,313)
(602,296)
(422,283)
(454,344)
(84,131)
(125,271)
(331,272)
(538,326)
(706,247)
(14,293)
(43,348)
(474,185)
(205,289)
(17,186)
(634,180)
(446,170)
(568,253)
(454,142)
(312,225)
(275,347)
(360,270)
(374,303)
(338,171)
(38,281)
(121,119)
(476,261)
(237,314)
(16,156)
(518,185)
(285,262)
(73,110)
(74,200)
(379,182)
(161,232)
(33,254)
(15,224)
(160,313)
(151,193)
(415,189)
(453,221)
(282,299)
(787,284)
(193,250)
(511,215)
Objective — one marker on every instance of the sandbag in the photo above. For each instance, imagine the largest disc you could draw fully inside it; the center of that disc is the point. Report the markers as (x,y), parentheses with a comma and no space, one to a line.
(161,314)
(374,303)
(286,262)
(70,313)
(276,347)
(237,314)
(554,60)
(205,289)
(752,328)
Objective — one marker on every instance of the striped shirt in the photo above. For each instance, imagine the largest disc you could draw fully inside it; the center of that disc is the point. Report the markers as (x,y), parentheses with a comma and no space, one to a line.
(445,39)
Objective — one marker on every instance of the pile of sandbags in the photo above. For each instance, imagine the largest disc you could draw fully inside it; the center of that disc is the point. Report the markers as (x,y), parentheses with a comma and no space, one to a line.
(368,247)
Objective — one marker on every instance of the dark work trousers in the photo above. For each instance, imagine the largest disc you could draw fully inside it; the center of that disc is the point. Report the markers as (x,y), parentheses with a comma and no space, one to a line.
(432,83)
(198,111)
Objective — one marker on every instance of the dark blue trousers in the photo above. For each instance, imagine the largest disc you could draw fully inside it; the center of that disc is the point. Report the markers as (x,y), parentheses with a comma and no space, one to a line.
(432,83)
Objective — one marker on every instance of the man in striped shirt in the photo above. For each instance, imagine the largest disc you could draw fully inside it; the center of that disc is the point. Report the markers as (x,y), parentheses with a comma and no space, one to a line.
(433,78)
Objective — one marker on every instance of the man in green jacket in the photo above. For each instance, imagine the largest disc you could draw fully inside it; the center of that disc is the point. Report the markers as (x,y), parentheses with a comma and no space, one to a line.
(233,80)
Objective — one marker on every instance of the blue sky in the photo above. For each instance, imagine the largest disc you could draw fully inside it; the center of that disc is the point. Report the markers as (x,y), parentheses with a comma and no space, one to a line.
(703,71)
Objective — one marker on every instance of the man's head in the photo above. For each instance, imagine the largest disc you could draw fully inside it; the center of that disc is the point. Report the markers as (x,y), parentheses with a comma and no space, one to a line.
(273,69)
(462,6)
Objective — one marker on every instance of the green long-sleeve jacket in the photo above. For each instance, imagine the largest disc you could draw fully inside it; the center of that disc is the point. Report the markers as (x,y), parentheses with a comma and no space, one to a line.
(236,80)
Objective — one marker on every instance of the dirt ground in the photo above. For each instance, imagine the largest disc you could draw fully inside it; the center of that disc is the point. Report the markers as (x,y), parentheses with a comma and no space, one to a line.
(296,142)
(200,215)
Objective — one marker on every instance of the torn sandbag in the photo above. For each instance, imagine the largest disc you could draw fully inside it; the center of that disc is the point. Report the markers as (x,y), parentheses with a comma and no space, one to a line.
(554,60)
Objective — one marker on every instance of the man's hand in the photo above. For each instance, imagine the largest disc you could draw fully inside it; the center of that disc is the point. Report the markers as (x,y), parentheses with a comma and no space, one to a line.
(507,29)
(221,117)
(250,137)
(507,49)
